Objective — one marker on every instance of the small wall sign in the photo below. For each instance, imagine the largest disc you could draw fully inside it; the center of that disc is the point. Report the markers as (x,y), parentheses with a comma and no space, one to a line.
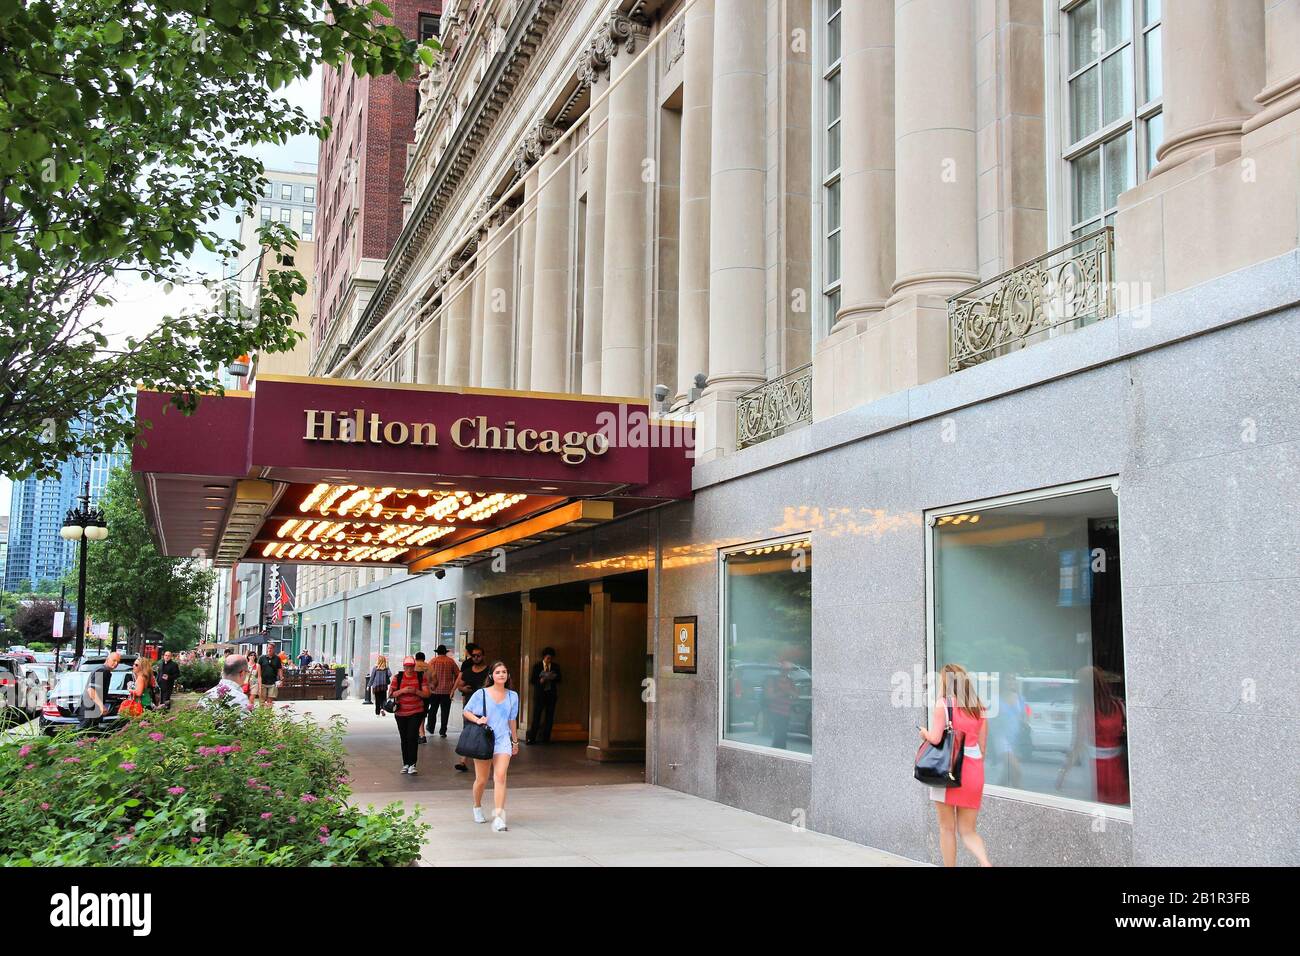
(684,645)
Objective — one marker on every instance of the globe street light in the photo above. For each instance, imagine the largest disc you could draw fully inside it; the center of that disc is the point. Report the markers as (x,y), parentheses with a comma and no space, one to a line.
(81,525)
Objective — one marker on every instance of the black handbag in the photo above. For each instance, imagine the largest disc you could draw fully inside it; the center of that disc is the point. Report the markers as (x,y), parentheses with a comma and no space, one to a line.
(939,765)
(477,741)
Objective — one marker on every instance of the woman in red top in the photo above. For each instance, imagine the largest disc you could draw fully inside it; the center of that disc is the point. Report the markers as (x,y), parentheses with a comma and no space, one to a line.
(1099,733)
(410,689)
(958,807)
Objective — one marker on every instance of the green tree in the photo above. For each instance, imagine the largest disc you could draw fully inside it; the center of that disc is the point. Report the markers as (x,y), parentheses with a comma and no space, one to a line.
(125,128)
(185,630)
(127,580)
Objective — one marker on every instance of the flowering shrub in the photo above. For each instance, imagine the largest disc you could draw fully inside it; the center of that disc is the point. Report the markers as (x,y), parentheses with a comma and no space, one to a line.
(199,675)
(195,788)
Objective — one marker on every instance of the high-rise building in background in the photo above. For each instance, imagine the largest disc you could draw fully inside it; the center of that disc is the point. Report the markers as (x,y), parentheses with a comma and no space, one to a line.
(289,197)
(37,506)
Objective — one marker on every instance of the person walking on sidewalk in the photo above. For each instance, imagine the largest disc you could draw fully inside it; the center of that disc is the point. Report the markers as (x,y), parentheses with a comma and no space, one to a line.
(169,675)
(545,681)
(496,706)
(380,677)
(958,807)
(473,675)
(269,670)
(422,668)
(411,691)
(443,672)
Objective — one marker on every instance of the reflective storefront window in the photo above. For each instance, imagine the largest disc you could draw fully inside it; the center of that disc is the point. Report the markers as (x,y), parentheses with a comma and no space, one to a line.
(447,624)
(767,645)
(1027,598)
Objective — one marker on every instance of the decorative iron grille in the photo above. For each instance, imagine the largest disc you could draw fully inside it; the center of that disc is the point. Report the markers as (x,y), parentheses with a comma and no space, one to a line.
(774,407)
(1067,288)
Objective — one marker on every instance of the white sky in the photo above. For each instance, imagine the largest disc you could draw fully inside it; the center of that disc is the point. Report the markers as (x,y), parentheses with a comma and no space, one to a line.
(141,305)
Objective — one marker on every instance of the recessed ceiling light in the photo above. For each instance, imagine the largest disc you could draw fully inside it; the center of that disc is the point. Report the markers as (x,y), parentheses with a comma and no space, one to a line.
(214,508)
(216,487)
(550,488)
(445,484)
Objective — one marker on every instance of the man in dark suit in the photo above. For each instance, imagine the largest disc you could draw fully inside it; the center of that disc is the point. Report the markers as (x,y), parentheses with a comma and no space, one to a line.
(545,682)
(169,674)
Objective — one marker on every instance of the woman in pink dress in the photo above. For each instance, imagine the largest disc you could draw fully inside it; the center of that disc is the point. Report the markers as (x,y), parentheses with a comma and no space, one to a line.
(1100,729)
(958,807)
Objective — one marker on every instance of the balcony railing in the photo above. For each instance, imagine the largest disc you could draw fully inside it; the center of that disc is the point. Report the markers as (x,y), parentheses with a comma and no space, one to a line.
(774,407)
(1067,288)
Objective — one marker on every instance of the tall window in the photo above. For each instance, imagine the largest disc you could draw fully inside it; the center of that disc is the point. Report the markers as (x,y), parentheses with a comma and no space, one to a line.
(385,633)
(308,193)
(1113,121)
(429,26)
(767,645)
(284,215)
(1026,596)
(447,623)
(308,222)
(830,162)
(286,191)
(414,625)
(266,214)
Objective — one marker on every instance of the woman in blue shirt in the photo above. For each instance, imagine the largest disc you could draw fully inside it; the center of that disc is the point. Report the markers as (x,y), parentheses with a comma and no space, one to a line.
(497,706)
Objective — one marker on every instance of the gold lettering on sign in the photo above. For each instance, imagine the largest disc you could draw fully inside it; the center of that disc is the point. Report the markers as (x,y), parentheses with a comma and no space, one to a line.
(470,432)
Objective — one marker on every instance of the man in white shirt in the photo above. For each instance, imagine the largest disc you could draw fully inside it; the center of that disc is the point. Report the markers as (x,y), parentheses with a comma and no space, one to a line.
(229,690)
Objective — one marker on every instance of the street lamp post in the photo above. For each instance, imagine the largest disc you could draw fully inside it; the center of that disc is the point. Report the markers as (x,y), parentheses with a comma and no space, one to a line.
(82,525)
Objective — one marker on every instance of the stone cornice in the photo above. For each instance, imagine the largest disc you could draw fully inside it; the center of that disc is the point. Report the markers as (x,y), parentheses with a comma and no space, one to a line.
(522,40)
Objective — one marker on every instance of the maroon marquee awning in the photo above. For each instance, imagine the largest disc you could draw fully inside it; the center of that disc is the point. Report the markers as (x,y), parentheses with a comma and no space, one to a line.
(321,471)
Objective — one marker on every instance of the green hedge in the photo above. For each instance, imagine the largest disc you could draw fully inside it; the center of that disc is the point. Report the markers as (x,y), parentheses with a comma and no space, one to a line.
(199,675)
(195,788)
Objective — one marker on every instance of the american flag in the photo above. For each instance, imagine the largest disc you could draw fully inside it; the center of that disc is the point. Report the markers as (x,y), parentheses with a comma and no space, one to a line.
(283,599)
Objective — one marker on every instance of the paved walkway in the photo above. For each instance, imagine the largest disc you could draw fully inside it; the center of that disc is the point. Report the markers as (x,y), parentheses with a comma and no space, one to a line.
(564,810)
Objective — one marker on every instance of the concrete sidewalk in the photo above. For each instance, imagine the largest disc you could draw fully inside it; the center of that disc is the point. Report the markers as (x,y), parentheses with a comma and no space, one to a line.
(619,825)
(564,810)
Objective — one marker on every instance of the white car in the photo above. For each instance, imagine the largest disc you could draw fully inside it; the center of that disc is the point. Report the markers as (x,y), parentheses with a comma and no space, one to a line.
(1050,701)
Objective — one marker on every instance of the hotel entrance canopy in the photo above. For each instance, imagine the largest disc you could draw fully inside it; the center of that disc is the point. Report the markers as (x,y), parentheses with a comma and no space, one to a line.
(340,472)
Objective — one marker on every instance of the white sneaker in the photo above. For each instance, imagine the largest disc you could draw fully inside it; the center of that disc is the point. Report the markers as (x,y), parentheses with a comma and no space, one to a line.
(478,815)
(499,822)
(406,768)
(412,771)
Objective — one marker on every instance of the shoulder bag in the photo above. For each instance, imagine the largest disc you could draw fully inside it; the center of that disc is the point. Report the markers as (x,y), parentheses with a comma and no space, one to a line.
(477,740)
(939,765)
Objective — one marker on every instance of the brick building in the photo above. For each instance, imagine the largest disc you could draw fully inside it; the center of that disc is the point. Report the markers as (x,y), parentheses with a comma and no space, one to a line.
(361,173)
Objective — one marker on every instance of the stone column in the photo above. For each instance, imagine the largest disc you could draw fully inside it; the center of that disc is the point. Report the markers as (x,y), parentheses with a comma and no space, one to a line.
(1280,96)
(935,182)
(693,231)
(476,315)
(456,360)
(867,160)
(593,70)
(623,320)
(552,277)
(737,279)
(498,306)
(527,257)
(1213,56)
(426,371)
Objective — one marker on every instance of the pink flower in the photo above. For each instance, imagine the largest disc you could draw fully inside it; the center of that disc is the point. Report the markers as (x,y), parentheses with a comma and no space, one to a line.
(197,733)
(308,798)
(226,749)
(30,766)
(261,751)
(45,806)
(279,746)
(128,767)
(279,793)
(266,816)
(264,764)
(72,760)
(293,819)
(252,781)
(155,736)
(325,839)
(325,830)
(24,750)
(175,791)
(194,839)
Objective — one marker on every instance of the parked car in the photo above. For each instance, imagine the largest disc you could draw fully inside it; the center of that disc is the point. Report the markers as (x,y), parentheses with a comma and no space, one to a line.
(11,692)
(38,680)
(63,709)
(1050,702)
